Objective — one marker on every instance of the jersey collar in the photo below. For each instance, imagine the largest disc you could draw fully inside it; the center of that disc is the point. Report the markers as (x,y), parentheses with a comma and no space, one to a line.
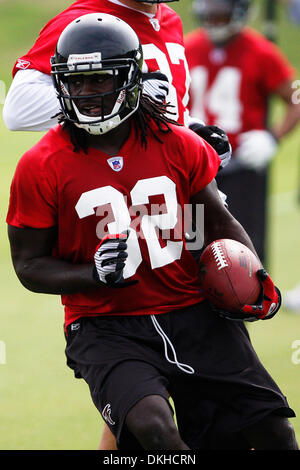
(149,15)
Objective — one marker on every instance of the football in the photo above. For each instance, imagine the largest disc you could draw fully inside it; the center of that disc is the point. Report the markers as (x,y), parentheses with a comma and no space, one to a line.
(228,275)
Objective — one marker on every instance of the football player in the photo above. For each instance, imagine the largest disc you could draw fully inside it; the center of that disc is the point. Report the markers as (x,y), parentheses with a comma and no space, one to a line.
(235,71)
(136,323)
(31,104)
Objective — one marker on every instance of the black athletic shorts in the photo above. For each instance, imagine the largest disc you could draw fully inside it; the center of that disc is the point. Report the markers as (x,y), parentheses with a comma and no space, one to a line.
(206,363)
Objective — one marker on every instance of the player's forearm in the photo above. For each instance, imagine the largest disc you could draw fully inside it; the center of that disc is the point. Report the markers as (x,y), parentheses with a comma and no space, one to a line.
(218,221)
(49,275)
(288,123)
(31,102)
(228,227)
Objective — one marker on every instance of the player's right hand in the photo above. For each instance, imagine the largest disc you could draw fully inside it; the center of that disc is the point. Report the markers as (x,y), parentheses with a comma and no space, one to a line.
(255,149)
(109,258)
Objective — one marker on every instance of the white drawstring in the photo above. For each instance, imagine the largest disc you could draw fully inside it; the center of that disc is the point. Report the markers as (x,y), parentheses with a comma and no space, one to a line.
(184,367)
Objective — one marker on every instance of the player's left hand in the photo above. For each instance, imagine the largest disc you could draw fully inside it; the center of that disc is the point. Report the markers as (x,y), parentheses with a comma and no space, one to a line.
(217,138)
(269,301)
(156,85)
(267,304)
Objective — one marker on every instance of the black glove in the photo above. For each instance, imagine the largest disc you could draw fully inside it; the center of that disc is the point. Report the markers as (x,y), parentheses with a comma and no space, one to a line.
(110,257)
(217,138)
(267,305)
(156,85)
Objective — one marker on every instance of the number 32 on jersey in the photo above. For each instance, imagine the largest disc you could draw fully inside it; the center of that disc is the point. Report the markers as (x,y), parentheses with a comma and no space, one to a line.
(143,189)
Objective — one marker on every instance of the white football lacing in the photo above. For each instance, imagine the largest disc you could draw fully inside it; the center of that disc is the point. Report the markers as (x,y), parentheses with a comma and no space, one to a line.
(184,367)
(219,255)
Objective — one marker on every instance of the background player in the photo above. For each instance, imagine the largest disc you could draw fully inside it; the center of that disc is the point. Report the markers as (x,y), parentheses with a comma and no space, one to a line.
(102,118)
(235,71)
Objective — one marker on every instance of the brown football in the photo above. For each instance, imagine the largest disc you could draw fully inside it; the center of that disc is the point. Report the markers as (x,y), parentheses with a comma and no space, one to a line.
(228,275)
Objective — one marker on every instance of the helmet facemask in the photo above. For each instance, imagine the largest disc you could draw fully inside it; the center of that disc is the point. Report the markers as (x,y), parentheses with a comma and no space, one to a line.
(115,105)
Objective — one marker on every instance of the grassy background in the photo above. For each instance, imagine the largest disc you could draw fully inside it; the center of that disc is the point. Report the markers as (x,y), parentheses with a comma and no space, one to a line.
(41,405)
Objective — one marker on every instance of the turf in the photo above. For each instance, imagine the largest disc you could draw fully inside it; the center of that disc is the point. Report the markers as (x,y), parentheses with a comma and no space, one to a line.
(42,405)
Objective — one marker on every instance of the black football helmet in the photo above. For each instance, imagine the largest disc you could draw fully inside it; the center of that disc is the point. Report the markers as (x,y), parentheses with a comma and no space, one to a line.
(99,43)
(222,19)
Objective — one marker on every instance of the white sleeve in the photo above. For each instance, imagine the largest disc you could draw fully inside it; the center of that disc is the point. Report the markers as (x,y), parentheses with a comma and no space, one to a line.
(31,102)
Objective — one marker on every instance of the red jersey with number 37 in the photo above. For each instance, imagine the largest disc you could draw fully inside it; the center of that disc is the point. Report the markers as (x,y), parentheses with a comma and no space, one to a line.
(231,86)
(89,195)
(161,38)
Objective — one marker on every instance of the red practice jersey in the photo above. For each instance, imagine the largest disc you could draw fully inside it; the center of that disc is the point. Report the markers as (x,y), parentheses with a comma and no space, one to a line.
(89,195)
(231,86)
(161,38)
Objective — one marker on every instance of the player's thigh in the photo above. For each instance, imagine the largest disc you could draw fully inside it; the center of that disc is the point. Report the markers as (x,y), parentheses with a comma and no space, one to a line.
(122,389)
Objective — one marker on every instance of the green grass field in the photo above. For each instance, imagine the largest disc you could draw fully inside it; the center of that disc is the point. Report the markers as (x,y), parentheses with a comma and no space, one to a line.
(41,405)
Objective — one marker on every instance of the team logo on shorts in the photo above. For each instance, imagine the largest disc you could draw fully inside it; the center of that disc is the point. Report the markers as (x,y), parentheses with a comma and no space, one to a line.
(116,163)
(22,64)
(106,413)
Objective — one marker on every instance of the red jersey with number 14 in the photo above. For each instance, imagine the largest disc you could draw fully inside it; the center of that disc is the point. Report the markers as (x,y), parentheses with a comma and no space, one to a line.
(231,86)
(145,191)
(160,36)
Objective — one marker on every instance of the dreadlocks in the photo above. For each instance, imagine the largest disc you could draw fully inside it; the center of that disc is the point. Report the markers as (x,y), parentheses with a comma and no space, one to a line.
(149,111)
(152,110)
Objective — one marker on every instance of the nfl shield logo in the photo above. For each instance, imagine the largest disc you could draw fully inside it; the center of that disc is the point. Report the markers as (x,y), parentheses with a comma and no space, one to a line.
(116,163)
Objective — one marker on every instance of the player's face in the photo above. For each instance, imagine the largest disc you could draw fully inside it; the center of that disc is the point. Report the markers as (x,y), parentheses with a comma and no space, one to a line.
(218,19)
(216,13)
(216,16)
(88,90)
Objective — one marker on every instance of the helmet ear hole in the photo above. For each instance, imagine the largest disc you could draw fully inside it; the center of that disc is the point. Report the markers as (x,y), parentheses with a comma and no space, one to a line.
(85,48)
